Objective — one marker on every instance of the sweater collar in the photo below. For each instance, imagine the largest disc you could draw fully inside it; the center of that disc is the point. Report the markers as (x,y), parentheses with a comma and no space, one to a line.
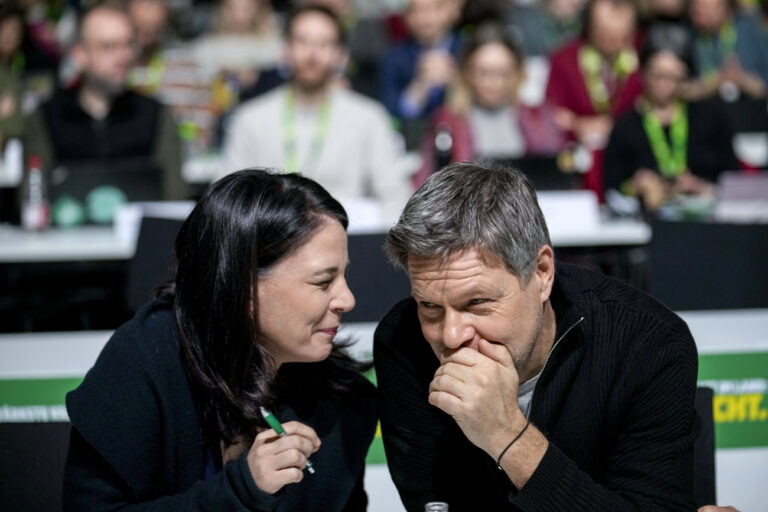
(121,105)
(566,298)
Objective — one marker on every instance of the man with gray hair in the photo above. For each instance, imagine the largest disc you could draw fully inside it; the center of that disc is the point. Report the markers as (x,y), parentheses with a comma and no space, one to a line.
(511,382)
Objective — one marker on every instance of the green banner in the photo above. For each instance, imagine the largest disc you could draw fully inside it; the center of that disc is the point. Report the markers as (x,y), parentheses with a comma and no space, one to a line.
(34,400)
(740,404)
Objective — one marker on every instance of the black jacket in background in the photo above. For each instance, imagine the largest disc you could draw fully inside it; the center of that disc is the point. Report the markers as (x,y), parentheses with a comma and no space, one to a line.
(137,442)
(615,401)
(710,145)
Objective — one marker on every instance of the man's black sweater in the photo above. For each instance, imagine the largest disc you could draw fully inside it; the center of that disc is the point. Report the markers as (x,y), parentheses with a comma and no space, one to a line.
(615,400)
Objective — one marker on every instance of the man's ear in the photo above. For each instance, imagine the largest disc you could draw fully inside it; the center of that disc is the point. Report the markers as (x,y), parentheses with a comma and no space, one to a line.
(544,272)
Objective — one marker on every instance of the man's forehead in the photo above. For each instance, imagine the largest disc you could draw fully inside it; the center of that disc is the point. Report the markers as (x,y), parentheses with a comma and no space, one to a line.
(468,266)
(93,26)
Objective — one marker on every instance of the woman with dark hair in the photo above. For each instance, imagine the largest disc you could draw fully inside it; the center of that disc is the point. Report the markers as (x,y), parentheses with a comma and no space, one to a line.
(483,117)
(666,146)
(170,418)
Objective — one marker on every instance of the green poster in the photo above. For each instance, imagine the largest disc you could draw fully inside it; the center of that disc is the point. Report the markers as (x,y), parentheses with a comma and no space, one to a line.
(740,405)
(34,400)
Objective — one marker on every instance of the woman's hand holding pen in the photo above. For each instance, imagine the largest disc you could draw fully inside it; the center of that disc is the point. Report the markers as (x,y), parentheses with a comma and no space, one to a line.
(478,388)
(275,461)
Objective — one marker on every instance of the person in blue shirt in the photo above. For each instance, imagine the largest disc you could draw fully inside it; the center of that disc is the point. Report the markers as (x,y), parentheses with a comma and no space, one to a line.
(415,73)
(731,52)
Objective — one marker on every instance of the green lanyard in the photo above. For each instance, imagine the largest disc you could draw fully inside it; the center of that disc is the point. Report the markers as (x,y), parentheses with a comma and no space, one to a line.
(590,63)
(713,51)
(155,72)
(672,161)
(149,83)
(290,146)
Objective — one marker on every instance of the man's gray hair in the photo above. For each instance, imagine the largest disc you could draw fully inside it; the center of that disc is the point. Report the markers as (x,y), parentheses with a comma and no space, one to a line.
(468,205)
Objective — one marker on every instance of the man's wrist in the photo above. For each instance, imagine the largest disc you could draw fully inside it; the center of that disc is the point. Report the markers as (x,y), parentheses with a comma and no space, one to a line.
(500,439)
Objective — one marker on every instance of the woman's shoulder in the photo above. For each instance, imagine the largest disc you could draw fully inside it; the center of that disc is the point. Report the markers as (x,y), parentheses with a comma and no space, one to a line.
(150,337)
(136,384)
(143,350)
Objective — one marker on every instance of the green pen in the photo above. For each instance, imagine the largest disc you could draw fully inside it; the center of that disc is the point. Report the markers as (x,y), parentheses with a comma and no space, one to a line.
(280,431)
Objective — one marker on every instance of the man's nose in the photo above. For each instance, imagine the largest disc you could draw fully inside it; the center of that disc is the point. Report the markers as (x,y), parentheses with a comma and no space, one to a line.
(457,331)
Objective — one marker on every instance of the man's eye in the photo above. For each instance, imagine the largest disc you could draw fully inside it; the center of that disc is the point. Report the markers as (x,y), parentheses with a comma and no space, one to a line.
(428,304)
(324,284)
(475,302)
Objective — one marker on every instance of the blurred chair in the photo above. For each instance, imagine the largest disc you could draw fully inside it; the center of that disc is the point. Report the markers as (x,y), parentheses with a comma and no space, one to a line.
(746,115)
(153,262)
(376,284)
(704,450)
(700,265)
(32,457)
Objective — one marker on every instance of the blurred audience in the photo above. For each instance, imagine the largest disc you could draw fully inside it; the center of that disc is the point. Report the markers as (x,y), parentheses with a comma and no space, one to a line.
(483,117)
(150,19)
(11,71)
(542,27)
(731,52)
(336,136)
(668,11)
(666,147)
(51,29)
(100,118)
(594,78)
(246,39)
(415,73)
(368,43)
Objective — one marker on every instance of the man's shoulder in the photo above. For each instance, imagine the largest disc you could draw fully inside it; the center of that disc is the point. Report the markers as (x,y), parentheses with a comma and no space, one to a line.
(60,100)
(142,99)
(593,291)
(403,53)
(360,104)
(262,105)
(401,318)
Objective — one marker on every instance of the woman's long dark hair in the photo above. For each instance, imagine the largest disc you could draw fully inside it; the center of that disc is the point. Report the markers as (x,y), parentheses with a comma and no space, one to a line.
(246,223)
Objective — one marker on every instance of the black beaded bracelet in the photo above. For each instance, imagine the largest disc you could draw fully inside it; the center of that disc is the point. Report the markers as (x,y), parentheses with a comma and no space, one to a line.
(518,436)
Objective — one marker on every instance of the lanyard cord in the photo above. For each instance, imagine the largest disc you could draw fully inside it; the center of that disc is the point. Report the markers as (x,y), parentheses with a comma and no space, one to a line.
(290,145)
(590,63)
(718,48)
(672,161)
(155,71)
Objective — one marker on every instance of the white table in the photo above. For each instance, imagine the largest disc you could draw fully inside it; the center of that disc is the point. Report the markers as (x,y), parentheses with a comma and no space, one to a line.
(92,243)
(741,473)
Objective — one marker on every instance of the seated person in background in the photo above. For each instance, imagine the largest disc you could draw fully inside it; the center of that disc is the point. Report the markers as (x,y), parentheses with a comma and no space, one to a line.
(415,73)
(666,146)
(340,138)
(368,42)
(542,27)
(246,40)
(483,118)
(169,418)
(11,73)
(595,78)
(512,382)
(667,11)
(150,18)
(100,119)
(731,52)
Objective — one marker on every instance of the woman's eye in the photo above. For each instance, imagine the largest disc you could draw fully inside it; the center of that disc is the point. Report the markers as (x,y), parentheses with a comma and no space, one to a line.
(324,284)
